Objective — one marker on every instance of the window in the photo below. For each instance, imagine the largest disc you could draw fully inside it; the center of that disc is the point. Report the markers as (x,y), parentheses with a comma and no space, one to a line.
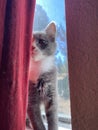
(45,12)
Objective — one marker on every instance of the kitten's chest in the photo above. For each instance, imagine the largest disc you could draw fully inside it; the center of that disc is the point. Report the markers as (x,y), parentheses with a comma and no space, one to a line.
(40,67)
(47,64)
(44,94)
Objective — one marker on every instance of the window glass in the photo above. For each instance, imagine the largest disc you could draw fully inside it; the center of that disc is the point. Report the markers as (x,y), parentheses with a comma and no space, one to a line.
(45,12)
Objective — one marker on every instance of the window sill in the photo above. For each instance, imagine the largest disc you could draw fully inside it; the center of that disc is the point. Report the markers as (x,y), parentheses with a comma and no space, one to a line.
(64,127)
(63,124)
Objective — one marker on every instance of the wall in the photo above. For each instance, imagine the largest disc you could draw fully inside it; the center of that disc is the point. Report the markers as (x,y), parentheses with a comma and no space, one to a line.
(82,36)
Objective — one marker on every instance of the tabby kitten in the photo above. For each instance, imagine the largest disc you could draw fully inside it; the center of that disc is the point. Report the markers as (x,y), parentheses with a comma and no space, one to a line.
(43,89)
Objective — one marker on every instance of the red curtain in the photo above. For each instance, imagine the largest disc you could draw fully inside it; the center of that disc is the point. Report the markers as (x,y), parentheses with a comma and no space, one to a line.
(16,19)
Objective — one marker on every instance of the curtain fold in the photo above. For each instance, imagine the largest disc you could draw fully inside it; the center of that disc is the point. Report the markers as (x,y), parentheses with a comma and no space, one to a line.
(16,20)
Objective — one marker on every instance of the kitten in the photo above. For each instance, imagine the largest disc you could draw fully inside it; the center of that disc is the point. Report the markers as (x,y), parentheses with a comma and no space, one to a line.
(43,78)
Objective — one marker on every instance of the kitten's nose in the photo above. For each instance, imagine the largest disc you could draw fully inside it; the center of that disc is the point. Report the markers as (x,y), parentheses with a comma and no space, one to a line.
(33,48)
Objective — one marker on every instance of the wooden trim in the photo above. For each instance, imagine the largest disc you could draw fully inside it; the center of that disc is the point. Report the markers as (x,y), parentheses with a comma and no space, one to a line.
(82,38)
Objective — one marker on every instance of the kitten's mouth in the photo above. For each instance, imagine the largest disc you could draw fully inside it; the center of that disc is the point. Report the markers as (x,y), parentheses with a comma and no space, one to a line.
(34,51)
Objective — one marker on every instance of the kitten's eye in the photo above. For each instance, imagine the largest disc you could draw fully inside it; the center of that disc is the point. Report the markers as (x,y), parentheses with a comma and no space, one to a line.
(43,43)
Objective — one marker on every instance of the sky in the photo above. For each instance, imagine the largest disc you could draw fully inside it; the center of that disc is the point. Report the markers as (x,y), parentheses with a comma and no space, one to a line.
(55,10)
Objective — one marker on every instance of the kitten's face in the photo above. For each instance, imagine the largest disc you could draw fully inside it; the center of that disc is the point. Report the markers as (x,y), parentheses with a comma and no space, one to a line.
(44,44)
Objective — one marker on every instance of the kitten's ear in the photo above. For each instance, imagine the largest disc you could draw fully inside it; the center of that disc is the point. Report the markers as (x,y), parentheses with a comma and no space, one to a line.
(51,29)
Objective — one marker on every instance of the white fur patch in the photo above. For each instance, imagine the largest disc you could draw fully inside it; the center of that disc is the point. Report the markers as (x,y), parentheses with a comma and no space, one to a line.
(47,64)
(39,56)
